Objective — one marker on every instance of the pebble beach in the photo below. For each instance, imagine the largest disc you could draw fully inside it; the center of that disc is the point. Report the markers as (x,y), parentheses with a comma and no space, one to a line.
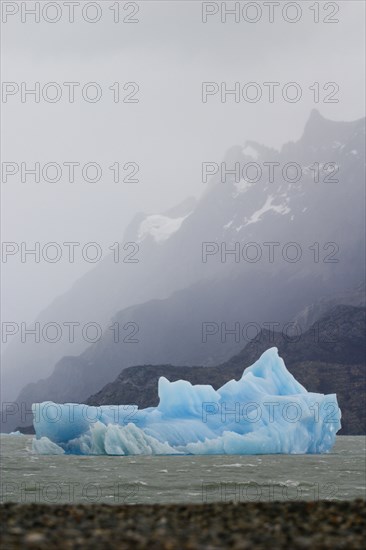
(276,525)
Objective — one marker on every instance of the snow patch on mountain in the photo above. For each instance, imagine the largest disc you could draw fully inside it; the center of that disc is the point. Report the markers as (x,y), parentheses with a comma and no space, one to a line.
(250,151)
(159,227)
(241,187)
(268,207)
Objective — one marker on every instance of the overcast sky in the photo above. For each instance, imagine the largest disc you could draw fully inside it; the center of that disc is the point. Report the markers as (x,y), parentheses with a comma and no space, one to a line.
(169,133)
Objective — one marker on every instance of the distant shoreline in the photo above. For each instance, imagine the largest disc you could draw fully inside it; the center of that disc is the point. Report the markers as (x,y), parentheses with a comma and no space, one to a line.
(278,525)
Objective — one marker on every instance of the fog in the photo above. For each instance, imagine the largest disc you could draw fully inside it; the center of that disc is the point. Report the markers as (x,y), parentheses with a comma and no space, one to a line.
(168,133)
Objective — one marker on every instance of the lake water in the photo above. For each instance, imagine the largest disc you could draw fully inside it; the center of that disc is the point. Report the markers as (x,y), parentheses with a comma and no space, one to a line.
(28,477)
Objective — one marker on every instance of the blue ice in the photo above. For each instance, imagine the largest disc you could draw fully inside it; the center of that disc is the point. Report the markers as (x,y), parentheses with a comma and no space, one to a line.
(267,411)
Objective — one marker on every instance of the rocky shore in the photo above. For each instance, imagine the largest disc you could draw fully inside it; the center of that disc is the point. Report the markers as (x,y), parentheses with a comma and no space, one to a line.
(277,525)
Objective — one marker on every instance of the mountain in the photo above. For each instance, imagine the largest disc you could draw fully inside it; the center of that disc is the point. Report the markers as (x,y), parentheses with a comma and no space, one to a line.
(115,282)
(296,241)
(353,297)
(328,358)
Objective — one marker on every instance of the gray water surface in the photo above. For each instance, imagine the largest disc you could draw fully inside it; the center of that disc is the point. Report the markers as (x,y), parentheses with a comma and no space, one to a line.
(28,477)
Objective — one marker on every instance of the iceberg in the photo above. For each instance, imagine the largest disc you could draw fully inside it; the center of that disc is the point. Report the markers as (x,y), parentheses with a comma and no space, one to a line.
(265,412)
